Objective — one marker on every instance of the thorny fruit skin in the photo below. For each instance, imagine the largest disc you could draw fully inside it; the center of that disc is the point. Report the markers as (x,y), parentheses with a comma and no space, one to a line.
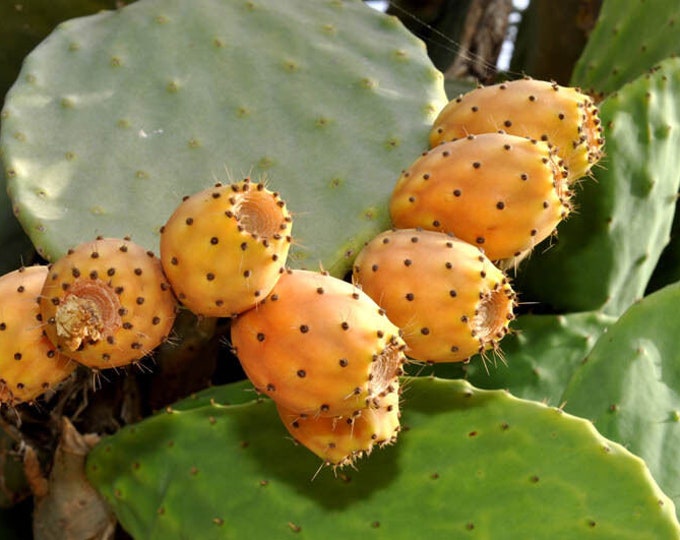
(340,441)
(29,362)
(564,117)
(224,248)
(500,192)
(317,345)
(447,297)
(107,303)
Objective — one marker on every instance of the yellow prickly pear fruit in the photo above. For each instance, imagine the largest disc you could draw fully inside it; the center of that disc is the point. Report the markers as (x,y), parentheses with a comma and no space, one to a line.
(224,248)
(341,440)
(317,345)
(500,192)
(107,303)
(29,363)
(563,117)
(447,297)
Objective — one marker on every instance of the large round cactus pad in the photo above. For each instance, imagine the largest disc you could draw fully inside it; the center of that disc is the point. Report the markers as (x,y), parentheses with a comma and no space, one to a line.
(469,463)
(116,116)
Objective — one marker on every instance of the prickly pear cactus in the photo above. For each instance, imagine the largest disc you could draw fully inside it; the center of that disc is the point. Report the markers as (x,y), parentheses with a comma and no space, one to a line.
(605,257)
(503,457)
(30,364)
(117,115)
(341,441)
(319,346)
(564,117)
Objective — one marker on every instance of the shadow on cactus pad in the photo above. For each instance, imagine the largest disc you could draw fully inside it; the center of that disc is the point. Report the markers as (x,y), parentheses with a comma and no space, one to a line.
(468,461)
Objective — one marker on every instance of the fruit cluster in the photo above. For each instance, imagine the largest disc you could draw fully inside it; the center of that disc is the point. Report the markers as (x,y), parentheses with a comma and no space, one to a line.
(495,183)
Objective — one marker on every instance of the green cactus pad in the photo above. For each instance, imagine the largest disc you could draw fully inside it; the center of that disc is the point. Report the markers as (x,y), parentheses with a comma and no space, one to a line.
(469,462)
(629,38)
(236,393)
(536,361)
(605,254)
(116,116)
(630,385)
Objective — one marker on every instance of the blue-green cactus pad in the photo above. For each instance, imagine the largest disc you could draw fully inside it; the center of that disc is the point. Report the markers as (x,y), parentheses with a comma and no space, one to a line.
(116,116)
(469,463)
(630,385)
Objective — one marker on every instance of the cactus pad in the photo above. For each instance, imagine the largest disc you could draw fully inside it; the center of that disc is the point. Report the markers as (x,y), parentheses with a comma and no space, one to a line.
(630,385)
(536,360)
(116,116)
(629,38)
(471,462)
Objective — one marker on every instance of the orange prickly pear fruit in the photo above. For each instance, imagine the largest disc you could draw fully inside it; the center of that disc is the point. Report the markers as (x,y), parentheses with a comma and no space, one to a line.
(224,248)
(29,363)
(341,440)
(500,192)
(564,117)
(447,297)
(317,345)
(107,303)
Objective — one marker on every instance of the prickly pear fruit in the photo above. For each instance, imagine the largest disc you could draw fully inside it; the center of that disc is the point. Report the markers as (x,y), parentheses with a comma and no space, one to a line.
(503,193)
(317,345)
(447,297)
(224,248)
(29,362)
(340,441)
(107,303)
(564,117)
